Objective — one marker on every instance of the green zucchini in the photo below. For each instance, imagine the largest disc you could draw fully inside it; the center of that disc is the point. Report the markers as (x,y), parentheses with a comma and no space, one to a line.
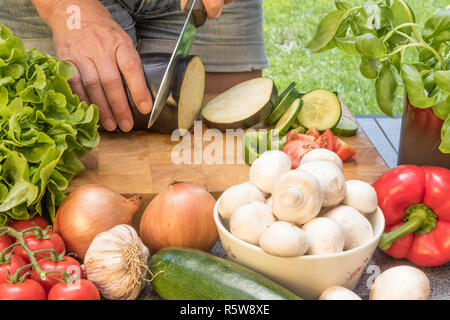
(285,122)
(321,110)
(346,127)
(283,106)
(190,274)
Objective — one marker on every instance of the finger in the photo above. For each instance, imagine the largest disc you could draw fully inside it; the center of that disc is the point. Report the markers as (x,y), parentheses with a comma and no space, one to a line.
(75,83)
(91,82)
(228,1)
(130,65)
(115,92)
(213,8)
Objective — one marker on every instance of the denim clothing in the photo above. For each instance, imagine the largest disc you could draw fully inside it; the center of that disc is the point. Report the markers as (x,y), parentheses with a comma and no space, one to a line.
(232,43)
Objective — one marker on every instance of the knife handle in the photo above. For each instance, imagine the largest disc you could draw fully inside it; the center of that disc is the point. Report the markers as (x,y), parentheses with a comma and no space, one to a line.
(198,12)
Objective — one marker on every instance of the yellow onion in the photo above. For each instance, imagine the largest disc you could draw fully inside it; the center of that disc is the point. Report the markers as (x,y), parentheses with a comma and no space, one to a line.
(181,215)
(89,210)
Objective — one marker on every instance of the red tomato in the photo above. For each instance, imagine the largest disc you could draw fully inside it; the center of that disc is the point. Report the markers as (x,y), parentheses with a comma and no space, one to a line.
(296,149)
(326,140)
(5,242)
(313,132)
(47,264)
(26,290)
(36,221)
(51,240)
(301,137)
(13,263)
(343,150)
(79,290)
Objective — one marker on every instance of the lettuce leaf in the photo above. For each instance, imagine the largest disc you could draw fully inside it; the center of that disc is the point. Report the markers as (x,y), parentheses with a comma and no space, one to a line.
(44,130)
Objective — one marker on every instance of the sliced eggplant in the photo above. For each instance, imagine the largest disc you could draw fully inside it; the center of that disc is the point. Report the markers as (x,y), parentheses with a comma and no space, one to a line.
(186,94)
(242,106)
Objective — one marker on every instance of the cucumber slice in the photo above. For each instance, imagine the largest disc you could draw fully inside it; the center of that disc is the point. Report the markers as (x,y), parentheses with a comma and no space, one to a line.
(251,146)
(285,92)
(288,117)
(346,127)
(321,110)
(275,141)
(282,107)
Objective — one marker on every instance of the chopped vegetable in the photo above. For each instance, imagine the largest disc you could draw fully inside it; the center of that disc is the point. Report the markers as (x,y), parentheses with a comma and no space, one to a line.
(346,127)
(45,130)
(326,140)
(286,120)
(283,106)
(343,150)
(321,110)
(242,106)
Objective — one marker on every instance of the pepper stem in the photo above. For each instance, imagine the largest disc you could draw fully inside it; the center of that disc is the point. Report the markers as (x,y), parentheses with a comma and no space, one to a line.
(418,218)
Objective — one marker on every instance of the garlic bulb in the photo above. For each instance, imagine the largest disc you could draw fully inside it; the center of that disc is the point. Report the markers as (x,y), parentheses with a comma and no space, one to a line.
(116,262)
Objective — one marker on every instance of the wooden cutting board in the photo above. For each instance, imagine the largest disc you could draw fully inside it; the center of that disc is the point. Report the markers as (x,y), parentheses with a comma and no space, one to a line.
(140,163)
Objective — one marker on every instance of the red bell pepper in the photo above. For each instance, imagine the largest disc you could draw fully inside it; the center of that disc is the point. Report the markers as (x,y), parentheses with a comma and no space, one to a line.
(416,205)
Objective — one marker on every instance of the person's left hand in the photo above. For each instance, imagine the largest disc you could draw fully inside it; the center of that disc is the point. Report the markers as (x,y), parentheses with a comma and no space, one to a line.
(213,7)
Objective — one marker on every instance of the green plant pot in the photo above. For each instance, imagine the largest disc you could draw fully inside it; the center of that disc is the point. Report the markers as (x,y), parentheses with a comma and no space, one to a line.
(420,138)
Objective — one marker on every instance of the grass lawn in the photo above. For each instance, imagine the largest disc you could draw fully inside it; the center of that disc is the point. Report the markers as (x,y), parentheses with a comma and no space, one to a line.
(289,24)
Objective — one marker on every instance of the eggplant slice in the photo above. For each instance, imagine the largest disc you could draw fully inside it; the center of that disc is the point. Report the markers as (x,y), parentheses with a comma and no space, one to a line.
(186,94)
(242,106)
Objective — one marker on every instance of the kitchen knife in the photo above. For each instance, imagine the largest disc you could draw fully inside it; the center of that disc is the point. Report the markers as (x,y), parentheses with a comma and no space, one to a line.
(195,17)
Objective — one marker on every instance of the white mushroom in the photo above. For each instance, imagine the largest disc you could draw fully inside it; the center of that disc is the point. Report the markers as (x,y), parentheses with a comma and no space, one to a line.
(325,236)
(283,239)
(323,154)
(338,293)
(250,220)
(236,196)
(331,180)
(269,202)
(357,229)
(267,168)
(401,283)
(296,197)
(361,196)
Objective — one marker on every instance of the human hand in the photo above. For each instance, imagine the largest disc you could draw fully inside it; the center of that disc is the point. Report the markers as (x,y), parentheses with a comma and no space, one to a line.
(213,7)
(100,50)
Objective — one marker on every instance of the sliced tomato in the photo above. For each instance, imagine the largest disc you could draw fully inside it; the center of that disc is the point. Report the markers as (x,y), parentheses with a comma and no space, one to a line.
(343,150)
(326,140)
(296,149)
(299,136)
(313,132)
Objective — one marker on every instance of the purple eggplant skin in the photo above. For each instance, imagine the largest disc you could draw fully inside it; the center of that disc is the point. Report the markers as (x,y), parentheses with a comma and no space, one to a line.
(155,65)
(257,117)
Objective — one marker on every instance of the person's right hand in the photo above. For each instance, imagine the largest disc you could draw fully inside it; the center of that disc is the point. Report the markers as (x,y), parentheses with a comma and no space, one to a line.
(101,50)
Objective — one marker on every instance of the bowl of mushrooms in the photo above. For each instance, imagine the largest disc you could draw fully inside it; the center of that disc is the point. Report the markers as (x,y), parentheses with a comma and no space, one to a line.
(308,228)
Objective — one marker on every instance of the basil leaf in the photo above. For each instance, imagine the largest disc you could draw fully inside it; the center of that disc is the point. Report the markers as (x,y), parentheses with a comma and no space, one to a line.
(442,79)
(366,67)
(326,30)
(370,46)
(445,136)
(386,87)
(346,45)
(437,27)
(341,5)
(442,106)
(415,87)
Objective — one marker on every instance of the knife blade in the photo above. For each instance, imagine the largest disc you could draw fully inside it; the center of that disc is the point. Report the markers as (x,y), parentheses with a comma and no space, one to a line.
(195,17)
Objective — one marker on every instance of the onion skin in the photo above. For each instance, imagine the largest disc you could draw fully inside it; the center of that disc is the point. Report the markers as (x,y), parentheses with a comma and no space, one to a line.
(181,215)
(89,210)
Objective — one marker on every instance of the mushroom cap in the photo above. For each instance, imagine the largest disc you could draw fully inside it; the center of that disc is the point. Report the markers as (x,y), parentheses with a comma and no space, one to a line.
(236,196)
(325,236)
(283,239)
(361,196)
(250,220)
(401,283)
(357,229)
(322,154)
(296,197)
(266,169)
(338,293)
(331,180)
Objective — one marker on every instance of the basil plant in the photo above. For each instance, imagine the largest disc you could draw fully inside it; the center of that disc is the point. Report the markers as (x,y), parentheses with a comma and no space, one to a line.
(381,33)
